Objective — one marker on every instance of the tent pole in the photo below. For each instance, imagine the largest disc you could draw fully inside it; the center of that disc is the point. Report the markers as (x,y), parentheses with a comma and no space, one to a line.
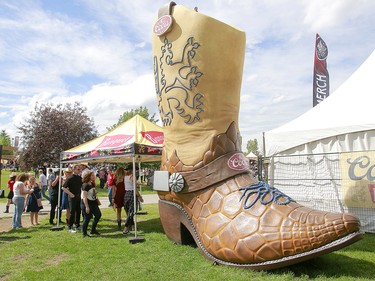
(135,198)
(58,227)
(140,212)
(135,239)
(264,144)
(139,174)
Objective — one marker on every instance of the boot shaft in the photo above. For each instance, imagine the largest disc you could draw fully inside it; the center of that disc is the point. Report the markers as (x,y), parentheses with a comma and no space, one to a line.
(198,68)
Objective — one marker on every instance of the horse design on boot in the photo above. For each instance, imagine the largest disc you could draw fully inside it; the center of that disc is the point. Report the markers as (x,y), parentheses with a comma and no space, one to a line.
(179,92)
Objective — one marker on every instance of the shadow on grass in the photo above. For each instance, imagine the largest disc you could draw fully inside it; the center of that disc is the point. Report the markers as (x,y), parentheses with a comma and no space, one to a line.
(330,266)
(147,226)
(152,225)
(7,239)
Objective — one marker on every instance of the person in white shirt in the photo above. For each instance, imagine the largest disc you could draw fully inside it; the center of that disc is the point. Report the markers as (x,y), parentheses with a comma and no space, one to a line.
(129,200)
(43,183)
(20,191)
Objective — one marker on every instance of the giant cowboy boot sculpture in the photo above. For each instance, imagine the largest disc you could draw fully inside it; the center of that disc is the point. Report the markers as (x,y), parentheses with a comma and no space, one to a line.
(233,218)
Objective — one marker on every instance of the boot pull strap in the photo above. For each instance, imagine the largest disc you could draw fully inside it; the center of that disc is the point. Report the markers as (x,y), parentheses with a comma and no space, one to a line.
(166,9)
(164,23)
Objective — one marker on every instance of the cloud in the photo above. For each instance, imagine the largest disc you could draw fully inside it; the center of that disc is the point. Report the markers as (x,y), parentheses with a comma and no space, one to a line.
(99,54)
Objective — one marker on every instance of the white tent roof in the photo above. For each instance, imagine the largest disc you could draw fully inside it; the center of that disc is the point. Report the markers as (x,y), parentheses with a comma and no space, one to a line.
(349,109)
(252,156)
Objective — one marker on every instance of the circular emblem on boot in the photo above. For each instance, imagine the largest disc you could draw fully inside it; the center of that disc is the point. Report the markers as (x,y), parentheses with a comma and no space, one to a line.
(176,182)
(163,25)
(238,162)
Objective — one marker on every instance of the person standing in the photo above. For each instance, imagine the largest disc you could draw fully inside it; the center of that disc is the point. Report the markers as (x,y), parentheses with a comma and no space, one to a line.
(89,204)
(129,200)
(50,178)
(84,169)
(43,183)
(65,198)
(72,187)
(32,201)
(118,193)
(11,181)
(109,185)
(102,177)
(54,195)
(20,192)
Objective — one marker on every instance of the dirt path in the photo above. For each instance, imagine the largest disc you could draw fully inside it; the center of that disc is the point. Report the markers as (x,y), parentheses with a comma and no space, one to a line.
(6,223)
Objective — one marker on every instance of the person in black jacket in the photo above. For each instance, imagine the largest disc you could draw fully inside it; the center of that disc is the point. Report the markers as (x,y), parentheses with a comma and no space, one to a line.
(72,187)
(54,196)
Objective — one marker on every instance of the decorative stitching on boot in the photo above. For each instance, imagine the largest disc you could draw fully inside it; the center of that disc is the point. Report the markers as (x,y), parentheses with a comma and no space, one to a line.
(221,144)
(283,261)
(178,92)
(262,190)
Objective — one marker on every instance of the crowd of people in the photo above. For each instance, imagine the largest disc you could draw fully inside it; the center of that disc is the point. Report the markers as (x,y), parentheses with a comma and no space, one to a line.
(78,196)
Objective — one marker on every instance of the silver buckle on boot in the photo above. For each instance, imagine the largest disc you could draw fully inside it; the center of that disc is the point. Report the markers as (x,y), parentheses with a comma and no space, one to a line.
(164,182)
(176,182)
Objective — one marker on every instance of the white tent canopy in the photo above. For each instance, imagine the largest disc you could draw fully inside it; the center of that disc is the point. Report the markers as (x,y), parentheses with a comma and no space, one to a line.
(251,156)
(136,137)
(349,110)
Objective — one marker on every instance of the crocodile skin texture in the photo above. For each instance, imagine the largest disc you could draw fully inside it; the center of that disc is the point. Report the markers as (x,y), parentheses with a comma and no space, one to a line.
(263,232)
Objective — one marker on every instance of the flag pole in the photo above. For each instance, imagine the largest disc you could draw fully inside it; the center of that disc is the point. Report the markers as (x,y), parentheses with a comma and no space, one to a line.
(57,227)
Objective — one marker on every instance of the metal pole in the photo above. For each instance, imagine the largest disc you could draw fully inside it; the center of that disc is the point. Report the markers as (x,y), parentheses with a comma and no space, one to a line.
(135,239)
(264,144)
(59,196)
(135,198)
(139,176)
(58,227)
(139,203)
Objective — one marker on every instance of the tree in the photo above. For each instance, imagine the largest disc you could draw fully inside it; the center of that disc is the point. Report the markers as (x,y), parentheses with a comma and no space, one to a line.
(5,141)
(142,111)
(50,130)
(252,146)
(4,138)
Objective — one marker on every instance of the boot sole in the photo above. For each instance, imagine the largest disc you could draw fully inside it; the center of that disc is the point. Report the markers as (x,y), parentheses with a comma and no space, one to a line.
(177,226)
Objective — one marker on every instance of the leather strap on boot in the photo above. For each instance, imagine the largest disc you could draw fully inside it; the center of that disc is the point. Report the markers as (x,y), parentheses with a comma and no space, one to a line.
(166,9)
(222,168)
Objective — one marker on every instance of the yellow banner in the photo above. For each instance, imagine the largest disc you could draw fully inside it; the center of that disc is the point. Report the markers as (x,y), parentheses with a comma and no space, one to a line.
(358,179)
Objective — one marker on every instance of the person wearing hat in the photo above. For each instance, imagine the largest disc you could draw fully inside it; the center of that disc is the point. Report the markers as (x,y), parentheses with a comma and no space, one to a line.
(11,181)
(72,186)
(85,168)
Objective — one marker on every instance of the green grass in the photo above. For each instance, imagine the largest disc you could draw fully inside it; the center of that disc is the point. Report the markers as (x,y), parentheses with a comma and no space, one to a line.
(40,254)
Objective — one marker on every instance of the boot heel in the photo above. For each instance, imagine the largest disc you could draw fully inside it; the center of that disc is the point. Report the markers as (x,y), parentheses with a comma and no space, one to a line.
(175,224)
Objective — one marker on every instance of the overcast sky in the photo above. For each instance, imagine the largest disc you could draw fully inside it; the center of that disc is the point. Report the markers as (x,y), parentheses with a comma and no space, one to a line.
(98,52)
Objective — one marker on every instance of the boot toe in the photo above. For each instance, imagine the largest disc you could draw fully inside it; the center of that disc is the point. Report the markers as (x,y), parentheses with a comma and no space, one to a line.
(351,223)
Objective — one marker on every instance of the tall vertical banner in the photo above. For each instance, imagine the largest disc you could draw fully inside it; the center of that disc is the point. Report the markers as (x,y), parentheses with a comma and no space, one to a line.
(321,76)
